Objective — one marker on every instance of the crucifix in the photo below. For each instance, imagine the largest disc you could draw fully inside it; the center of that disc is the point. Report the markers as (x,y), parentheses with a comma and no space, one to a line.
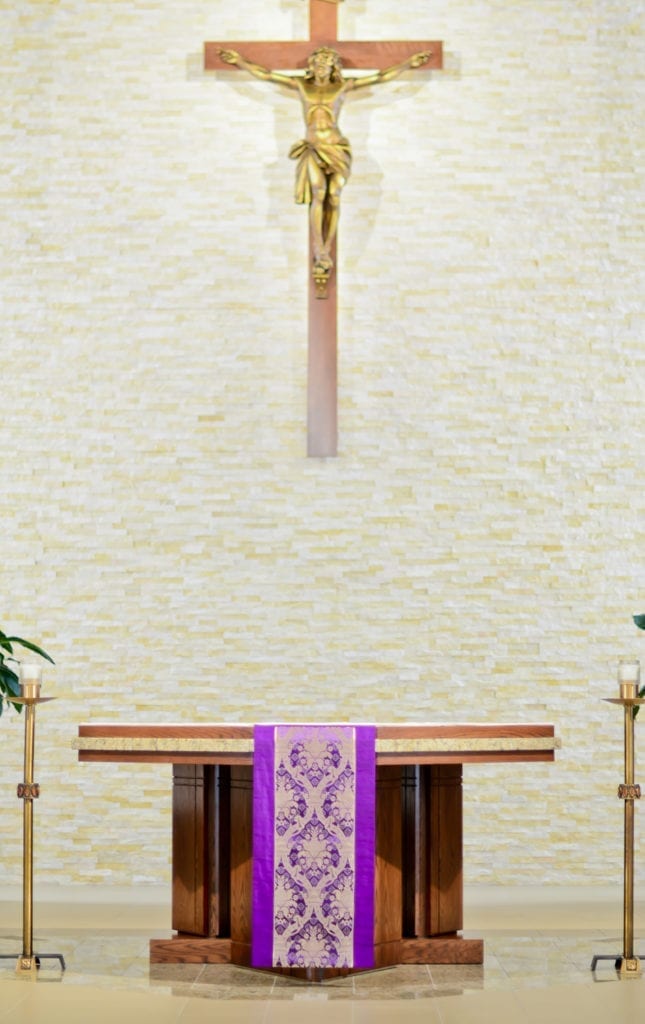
(323,165)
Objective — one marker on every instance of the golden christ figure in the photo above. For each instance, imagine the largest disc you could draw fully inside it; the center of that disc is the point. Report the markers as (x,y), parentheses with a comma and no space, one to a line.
(324,156)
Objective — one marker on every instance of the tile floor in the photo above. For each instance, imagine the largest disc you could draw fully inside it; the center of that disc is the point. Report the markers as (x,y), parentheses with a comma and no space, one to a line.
(536,969)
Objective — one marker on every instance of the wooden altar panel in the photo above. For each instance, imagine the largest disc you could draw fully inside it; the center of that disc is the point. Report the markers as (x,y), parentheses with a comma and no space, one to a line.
(190,855)
(240,831)
(388,912)
(444,842)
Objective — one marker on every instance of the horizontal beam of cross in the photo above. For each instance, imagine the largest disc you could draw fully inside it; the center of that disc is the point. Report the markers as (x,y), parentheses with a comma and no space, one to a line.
(292,56)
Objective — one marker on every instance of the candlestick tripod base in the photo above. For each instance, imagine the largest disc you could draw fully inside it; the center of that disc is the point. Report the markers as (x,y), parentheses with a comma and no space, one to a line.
(31,964)
(627,967)
(27,965)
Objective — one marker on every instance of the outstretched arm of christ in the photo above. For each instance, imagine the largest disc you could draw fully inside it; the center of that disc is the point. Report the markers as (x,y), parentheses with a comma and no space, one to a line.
(417,60)
(265,74)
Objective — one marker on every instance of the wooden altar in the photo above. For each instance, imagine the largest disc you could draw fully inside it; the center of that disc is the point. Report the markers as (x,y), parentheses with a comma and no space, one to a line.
(419,831)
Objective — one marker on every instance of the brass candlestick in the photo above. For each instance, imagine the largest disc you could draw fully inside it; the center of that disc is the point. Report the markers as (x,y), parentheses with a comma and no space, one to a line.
(28,791)
(628,965)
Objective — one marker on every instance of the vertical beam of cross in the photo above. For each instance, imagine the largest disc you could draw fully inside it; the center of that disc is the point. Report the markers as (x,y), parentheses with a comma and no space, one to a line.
(322,374)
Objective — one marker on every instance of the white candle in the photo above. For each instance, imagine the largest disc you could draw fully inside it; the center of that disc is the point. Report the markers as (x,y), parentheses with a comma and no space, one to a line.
(31,676)
(629,672)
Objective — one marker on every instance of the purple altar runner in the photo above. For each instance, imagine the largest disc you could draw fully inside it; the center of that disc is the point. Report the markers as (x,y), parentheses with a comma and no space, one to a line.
(313,846)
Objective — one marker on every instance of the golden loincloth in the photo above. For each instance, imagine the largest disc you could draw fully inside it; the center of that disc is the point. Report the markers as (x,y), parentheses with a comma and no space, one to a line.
(334,158)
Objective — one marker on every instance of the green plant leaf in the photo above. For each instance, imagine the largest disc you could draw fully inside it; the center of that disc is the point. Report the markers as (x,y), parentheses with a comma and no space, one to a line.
(30,647)
(11,685)
(639,620)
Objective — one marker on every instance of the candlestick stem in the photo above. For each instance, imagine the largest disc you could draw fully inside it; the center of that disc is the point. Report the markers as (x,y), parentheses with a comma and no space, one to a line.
(28,791)
(628,965)
(628,875)
(27,959)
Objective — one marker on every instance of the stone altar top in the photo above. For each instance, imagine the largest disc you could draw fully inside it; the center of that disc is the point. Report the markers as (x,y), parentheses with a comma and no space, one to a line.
(227,743)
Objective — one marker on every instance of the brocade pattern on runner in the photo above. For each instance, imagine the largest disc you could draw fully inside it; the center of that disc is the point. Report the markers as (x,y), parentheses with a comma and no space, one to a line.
(320,834)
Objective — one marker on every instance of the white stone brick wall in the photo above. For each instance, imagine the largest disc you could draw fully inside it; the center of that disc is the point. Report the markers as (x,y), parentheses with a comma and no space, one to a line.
(476,550)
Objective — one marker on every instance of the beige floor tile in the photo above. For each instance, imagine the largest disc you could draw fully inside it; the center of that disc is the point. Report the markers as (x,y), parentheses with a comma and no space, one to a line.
(199,1011)
(58,1004)
(407,1011)
(411,981)
(610,1001)
(481,1008)
(11,994)
(311,1008)
(471,977)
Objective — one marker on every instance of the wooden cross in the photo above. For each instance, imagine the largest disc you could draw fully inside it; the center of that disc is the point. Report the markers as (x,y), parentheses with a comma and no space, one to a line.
(322,414)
